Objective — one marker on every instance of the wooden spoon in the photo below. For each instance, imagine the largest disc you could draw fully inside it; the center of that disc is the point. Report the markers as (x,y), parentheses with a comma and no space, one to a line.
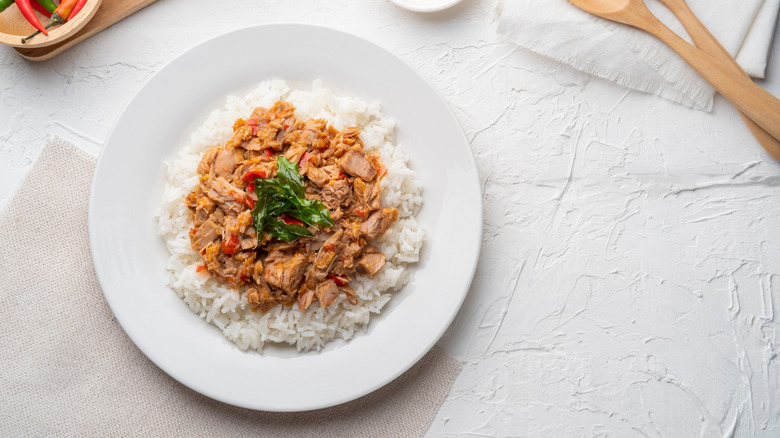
(702,37)
(749,98)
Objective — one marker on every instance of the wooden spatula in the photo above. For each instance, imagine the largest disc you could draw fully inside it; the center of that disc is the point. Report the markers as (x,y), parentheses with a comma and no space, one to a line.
(704,40)
(752,100)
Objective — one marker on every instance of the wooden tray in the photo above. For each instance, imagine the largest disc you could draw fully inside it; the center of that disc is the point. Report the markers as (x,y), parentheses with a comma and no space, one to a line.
(109,12)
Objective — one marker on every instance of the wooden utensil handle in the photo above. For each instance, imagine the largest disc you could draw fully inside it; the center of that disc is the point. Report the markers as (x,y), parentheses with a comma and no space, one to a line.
(703,39)
(752,100)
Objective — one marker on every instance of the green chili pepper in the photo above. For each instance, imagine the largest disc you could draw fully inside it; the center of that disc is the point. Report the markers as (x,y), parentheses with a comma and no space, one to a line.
(37,6)
(48,5)
(5,3)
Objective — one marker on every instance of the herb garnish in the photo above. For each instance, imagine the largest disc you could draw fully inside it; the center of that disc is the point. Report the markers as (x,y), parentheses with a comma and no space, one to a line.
(282,196)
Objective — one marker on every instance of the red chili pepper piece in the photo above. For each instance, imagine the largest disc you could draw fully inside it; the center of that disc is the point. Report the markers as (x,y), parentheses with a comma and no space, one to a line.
(238,196)
(229,246)
(27,11)
(269,153)
(290,220)
(337,280)
(253,124)
(200,268)
(250,188)
(252,174)
(304,158)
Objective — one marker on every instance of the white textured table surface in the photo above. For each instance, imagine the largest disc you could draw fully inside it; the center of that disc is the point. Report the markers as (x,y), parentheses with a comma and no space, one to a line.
(630,274)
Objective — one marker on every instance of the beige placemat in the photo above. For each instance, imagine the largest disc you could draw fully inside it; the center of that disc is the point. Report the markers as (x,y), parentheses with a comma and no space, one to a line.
(68,369)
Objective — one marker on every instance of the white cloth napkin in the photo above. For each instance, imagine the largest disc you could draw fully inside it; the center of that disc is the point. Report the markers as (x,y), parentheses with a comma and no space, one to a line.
(68,369)
(634,59)
(754,53)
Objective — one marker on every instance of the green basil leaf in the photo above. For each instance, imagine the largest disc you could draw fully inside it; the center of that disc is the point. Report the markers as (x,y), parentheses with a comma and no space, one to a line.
(312,211)
(285,194)
(260,213)
(269,187)
(278,205)
(284,231)
(287,173)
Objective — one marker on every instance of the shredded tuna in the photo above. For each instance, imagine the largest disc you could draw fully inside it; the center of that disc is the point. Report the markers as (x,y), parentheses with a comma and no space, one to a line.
(337,171)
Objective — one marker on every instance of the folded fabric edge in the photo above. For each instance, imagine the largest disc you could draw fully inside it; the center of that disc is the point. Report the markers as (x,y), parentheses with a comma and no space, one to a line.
(697,98)
(57,142)
(681,77)
(703,101)
(753,55)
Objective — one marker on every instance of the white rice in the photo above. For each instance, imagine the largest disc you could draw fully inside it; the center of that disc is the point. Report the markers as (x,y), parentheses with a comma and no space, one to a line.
(312,328)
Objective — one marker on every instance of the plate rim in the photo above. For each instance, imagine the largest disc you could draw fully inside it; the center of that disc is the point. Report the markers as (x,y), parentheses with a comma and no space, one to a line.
(472,262)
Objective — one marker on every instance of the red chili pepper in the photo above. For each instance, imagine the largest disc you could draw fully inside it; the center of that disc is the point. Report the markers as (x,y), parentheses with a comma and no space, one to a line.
(27,11)
(252,174)
(290,220)
(38,7)
(337,280)
(304,158)
(60,15)
(200,268)
(253,124)
(269,153)
(360,211)
(250,202)
(250,187)
(77,8)
(341,175)
(229,247)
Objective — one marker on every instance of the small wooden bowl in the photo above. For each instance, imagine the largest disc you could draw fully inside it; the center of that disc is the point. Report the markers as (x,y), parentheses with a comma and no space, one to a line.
(14,27)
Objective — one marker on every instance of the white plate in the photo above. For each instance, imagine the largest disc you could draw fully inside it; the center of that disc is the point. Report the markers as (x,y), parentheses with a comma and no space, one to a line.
(129,256)
(426,5)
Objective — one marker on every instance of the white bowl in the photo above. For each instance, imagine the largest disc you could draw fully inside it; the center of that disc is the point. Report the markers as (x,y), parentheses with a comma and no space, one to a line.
(426,5)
